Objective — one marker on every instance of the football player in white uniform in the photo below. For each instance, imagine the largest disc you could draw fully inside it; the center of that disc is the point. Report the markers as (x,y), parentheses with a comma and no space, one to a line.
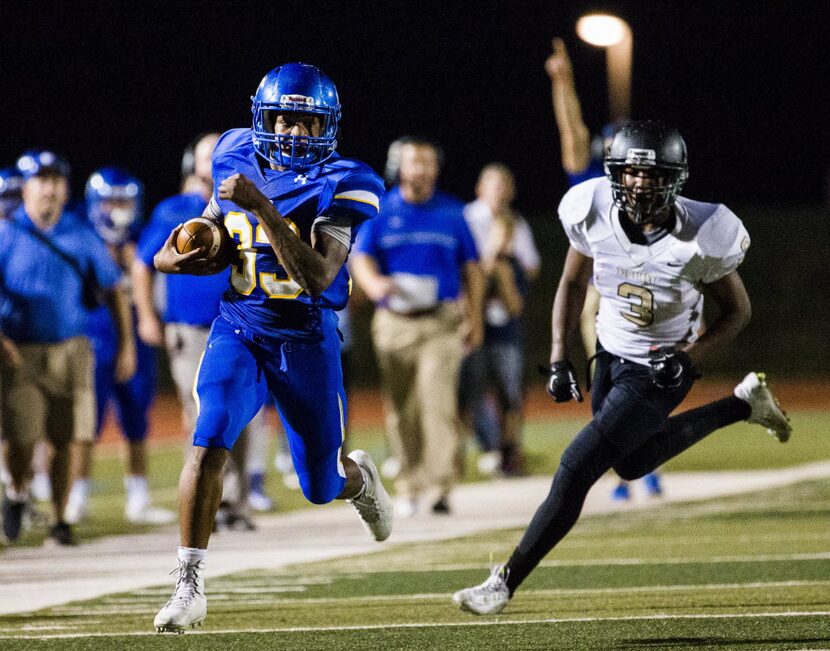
(652,253)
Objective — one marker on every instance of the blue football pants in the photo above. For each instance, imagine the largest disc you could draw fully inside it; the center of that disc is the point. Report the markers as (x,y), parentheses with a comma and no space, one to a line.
(240,368)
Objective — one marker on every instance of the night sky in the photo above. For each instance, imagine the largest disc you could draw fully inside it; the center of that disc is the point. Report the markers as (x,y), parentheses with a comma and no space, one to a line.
(747,83)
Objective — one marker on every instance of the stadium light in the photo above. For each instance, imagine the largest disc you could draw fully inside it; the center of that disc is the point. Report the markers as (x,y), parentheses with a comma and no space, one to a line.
(602,30)
(613,34)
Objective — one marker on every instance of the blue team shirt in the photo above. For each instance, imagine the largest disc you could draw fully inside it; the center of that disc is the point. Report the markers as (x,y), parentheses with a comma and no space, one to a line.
(40,293)
(428,239)
(193,300)
(595,169)
(262,298)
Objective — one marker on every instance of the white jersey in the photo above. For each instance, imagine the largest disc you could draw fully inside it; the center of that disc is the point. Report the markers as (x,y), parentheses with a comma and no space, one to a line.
(651,295)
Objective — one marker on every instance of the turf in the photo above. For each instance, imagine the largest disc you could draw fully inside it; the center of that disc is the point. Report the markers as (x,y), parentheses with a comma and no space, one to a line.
(746,572)
(738,447)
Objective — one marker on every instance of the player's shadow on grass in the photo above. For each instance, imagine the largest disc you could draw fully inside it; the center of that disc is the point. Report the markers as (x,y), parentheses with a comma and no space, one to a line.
(719,642)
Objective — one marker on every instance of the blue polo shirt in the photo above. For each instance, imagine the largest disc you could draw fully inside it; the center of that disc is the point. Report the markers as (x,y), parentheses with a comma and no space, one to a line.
(190,299)
(40,293)
(428,239)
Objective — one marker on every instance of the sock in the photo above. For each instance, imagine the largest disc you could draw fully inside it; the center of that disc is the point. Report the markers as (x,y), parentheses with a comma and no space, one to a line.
(136,484)
(192,555)
(138,495)
(80,489)
(257,482)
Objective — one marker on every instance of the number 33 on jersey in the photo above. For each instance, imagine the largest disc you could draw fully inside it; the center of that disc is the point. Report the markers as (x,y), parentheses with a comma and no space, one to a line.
(245,277)
(334,197)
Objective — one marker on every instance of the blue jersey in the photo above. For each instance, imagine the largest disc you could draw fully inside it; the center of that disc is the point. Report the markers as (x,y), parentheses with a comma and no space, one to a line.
(190,299)
(428,239)
(40,292)
(262,296)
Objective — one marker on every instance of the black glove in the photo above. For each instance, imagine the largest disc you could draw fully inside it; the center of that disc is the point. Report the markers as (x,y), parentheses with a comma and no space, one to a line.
(669,367)
(562,382)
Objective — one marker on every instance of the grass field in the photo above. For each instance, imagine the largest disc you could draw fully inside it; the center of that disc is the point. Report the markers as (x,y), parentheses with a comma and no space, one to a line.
(748,572)
(739,447)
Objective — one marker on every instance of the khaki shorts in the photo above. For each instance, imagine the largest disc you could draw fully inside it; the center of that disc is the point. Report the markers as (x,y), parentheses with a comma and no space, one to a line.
(51,395)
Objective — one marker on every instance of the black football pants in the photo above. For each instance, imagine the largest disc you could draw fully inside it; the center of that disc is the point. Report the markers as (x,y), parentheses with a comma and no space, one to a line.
(632,433)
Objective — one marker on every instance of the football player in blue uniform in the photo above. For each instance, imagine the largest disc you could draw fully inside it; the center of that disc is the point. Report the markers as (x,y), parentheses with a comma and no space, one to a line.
(292,205)
(114,200)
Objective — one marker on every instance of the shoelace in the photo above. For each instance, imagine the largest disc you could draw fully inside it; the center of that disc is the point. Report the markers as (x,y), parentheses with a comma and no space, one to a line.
(187,583)
(367,505)
(495,582)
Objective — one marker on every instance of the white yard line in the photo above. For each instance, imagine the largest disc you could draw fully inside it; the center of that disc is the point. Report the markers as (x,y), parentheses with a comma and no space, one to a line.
(35,578)
(423,625)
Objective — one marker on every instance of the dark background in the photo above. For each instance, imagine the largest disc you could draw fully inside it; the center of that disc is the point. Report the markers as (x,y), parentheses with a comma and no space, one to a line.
(747,84)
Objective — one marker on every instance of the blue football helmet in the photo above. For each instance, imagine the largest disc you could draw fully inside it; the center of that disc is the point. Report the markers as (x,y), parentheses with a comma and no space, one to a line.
(298,88)
(104,188)
(11,187)
(39,161)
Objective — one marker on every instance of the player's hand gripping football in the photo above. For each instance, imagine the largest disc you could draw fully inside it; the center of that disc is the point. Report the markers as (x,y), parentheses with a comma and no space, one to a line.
(562,382)
(668,367)
(242,191)
(168,260)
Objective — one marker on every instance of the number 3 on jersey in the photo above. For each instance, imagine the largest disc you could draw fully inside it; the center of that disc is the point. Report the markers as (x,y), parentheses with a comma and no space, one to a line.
(245,281)
(641,314)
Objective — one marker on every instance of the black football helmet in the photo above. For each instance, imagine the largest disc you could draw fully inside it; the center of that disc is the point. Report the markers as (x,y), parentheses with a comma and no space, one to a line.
(656,149)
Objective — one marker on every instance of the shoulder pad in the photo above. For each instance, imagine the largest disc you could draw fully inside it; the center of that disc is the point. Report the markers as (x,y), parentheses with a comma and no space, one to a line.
(578,202)
(231,140)
(722,234)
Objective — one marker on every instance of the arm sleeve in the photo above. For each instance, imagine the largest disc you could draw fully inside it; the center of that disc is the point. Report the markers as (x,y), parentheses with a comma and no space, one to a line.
(356,198)
(213,210)
(724,242)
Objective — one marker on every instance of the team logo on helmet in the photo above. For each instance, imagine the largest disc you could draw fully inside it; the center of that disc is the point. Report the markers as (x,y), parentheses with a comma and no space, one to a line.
(641,157)
(297,99)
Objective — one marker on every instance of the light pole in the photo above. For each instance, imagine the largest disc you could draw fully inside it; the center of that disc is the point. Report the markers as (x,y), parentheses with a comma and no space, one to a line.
(613,34)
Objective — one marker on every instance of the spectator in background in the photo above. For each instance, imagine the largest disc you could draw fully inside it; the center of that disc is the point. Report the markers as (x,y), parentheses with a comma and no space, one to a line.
(114,202)
(52,267)
(510,260)
(191,305)
(413,261)
(11,189)
(582,159)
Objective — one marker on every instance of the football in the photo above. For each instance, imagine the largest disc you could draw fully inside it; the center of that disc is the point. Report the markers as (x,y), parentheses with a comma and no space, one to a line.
(203,232)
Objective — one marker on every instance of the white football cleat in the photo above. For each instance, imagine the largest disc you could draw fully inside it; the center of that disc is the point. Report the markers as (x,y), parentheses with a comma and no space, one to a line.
(374,504)
(765,408)
(187,608)
(487,598)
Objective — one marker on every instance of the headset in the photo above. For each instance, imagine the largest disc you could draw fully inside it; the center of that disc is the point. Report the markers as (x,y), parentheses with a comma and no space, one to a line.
(393,156)
(189,155)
